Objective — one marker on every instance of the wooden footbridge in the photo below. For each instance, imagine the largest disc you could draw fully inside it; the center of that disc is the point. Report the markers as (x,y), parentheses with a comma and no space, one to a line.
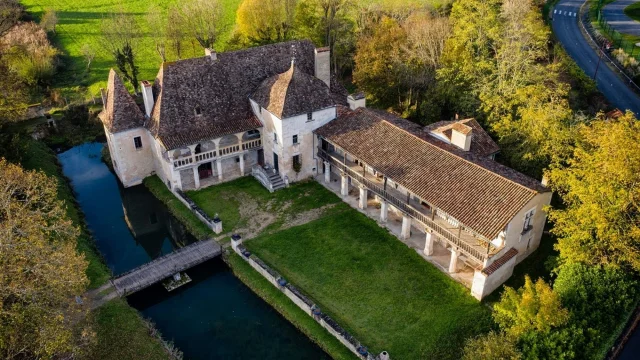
(165,266)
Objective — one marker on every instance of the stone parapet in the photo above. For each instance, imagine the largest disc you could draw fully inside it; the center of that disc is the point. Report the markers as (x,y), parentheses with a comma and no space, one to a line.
(214,224)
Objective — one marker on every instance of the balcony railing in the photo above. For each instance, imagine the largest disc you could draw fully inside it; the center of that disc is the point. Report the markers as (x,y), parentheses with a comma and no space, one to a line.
(213,154)
(408,209)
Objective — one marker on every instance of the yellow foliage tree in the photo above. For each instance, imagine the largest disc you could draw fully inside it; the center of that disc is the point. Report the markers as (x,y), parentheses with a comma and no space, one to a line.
(266,21)
(41,270)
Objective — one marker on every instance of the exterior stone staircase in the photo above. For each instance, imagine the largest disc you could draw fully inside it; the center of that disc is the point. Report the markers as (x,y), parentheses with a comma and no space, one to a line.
(269,178)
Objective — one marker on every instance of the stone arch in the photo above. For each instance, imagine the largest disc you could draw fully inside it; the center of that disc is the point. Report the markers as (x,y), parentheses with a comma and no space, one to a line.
(204,147)
(228,141)
(251,135)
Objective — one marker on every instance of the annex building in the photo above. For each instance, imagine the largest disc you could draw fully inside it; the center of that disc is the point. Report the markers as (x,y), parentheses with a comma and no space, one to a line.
(275,112)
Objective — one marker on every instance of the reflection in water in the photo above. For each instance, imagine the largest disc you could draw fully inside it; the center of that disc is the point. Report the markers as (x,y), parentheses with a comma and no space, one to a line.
(213,317)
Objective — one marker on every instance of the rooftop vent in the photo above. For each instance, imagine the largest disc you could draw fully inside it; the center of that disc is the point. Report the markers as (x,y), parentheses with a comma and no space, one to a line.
(461,136)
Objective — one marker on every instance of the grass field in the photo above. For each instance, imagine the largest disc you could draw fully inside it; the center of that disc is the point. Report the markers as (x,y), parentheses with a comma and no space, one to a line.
(80,23)
(373,285)
(633,11)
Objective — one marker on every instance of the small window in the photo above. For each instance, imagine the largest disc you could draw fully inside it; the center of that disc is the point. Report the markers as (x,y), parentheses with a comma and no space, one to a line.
(137,141)
(528,221)
(295,139)
(198,111)
(275,138)
(309,116)
(296,160)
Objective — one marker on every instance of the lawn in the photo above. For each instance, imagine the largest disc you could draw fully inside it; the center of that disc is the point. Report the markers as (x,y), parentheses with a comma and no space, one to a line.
(377,288)
(80,24)
(245,206)
(633,11)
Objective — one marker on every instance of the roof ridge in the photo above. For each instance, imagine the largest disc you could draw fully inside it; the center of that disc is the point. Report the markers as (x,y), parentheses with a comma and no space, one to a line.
(453,154)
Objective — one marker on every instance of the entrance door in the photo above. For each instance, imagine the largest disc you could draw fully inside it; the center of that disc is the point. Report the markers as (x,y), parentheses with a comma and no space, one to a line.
(261,157)
(275,162)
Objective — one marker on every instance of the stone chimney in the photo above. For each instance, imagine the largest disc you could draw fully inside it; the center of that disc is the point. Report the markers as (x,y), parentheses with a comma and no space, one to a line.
(323,65)
(147,96)
(211,53)
(357,100)
(461,136)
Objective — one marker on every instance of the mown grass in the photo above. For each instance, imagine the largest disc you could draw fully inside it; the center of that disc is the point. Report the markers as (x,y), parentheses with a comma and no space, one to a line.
(80,24)
(378,289)
(37,156)
(226,199)
(122,334)
(287,308)
(196,227)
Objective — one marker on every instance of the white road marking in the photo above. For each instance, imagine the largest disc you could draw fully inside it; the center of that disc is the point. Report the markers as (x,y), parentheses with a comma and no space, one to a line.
(555,11)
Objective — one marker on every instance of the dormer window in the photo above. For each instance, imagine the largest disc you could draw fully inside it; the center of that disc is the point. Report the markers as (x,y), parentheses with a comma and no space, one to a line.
(198,111)
(309,116)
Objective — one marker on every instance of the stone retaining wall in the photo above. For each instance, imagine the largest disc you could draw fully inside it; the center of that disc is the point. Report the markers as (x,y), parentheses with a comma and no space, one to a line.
(214,224)
(304,303)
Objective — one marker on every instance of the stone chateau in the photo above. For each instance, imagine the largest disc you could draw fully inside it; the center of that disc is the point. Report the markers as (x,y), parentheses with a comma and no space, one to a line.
(276,113)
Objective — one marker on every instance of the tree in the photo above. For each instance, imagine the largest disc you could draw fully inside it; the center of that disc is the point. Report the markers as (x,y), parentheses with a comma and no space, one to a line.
(175,31)
(600,223)
(200,19)
(534,307)
(120,32)
(29,53)
(41,270)
(13,96)
(158,31)
(10,13)
(266,21)
(491,346)
(49,20)
(89,54)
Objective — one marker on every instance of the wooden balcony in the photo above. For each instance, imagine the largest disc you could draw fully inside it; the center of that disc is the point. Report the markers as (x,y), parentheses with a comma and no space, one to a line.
(186,161)
(472,245)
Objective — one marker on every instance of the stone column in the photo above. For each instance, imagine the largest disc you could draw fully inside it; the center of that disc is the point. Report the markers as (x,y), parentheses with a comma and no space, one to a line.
(428,245)
(242,164)
(219,167)
(406,227)
(196,177)
(327,172)
(384,210)
(363,198)
(344,188)
(453,264)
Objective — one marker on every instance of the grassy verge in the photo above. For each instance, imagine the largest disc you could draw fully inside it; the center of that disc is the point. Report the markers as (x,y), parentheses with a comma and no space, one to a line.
(37,156)
(121,333)
(196,227)
(287,308)
(373,285)
(633,11)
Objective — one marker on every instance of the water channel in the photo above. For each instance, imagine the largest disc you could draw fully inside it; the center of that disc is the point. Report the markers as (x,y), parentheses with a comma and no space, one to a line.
(213,317)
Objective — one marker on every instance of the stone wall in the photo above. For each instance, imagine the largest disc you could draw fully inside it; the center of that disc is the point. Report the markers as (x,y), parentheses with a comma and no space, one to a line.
(302,301)
(214,224)
(131,165)
(187,180)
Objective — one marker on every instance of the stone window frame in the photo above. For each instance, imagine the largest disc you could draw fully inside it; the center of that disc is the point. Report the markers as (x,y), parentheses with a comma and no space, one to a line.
(295,139)
(527,225)
(309,116)
(137,142)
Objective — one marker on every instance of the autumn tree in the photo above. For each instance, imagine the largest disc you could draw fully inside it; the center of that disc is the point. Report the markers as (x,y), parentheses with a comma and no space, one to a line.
(600,221)
(174,31)
(10,13)
(266,21)
(29,54)
(120,32)
(41,271)
(492,346)
(49,20)
(201,20)
(13,94)
(89,54)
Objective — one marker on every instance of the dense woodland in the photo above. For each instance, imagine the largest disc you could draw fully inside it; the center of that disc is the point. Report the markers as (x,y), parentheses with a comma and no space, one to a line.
(495,60)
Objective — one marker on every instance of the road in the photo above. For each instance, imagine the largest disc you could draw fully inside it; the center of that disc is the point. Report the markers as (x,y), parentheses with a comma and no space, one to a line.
(567,30)
(615,16)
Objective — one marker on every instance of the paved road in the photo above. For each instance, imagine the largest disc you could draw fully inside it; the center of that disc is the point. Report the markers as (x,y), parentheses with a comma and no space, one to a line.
(567,30)
(614,13)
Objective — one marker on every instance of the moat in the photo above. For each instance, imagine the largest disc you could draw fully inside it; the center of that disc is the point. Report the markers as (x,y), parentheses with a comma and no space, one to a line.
(213,317)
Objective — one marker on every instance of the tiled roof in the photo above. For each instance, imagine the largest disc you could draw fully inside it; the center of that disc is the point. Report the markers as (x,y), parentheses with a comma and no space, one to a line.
(477,191)
(293,92)
(220,89)
(481,142)
(499,262)
(120,111)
